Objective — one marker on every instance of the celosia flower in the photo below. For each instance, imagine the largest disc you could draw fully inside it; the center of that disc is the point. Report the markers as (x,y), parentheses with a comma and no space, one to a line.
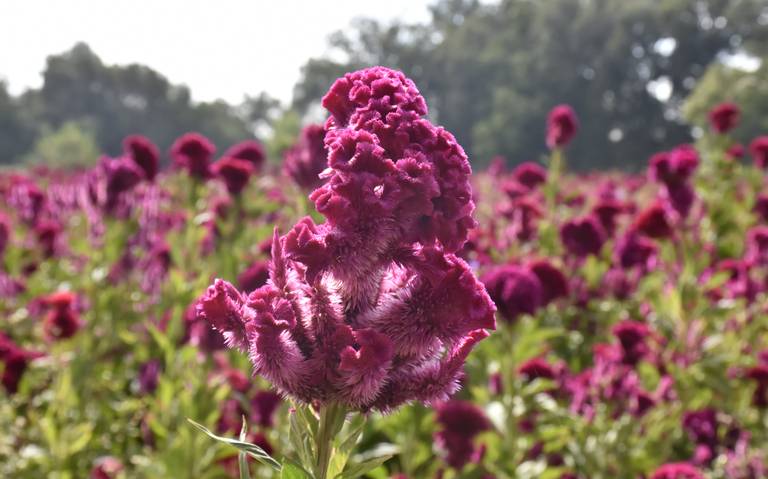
(62,320)
(254,277)
(701,427)
(759,374)
(234,172)
(582,236)
(674,170)
(515,290)
(248,150)
(144,153)
(759,151)
(193,152)
(264,405)
(761,207)
(632,336)
(122,174)
(653,222)
(634,250)
(537,368)
(461,422)
(561,126)
(735,152)
(724,117)
(530,174)
(554,284)
(607,212)
(677,470)
(106,467)
(15,361)
(757,245)
(305,160)
(370,309)
(47,233)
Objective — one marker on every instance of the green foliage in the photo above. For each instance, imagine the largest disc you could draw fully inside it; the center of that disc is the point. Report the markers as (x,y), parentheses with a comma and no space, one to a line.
(68,147)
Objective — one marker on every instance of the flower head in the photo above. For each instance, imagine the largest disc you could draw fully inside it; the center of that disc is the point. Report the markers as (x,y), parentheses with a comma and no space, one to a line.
(193,152)
(759,151)
(583,236)
(305,160)
(677,470)
(461,422)
(144,153)
(515,290)
(371,308)
(530,174)
(724,117)
(235,173)
(250,150)
(561,126)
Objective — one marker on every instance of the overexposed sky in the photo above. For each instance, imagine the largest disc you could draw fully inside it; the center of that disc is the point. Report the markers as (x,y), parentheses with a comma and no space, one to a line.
(219,48)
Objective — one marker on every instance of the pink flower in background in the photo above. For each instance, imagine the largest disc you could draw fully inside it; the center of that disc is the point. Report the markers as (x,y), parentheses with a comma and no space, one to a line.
(250,150)
(515,290)
(62,320)
(305,160)
(677,470)
(759,151)
(582,236)
(461,422)
(106,467)
(371,308)
(554,283)
(724,117)
(254,277)
(653,221)
(561,126)
(5,232)
(234,172)
(735,152)
(193,152)
(15,361)
(144,153)
(530,174)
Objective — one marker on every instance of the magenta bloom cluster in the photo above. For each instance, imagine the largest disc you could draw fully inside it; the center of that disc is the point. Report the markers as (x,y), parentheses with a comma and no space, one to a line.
(371,308)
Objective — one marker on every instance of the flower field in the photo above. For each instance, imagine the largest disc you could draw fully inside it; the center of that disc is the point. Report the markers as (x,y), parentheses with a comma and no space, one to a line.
(368,306)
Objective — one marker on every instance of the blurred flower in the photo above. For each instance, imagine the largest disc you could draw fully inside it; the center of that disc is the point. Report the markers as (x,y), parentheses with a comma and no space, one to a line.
(106,467)
(759,151)
(461,422)
(306,159)
(234,172)
(515,290)
(632,336)
(149,376)
(724,117)
(561,126)
(254,277)
(653,221)
(735,151)
(15,361)
(554,284)
(250,150)
(61,321)
(264,405)
(677,470)
(144,153)
(530,174)
(582,236)
(5,232)
(193,152)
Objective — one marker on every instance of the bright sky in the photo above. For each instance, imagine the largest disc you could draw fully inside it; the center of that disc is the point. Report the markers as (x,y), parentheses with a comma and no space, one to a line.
(219,48)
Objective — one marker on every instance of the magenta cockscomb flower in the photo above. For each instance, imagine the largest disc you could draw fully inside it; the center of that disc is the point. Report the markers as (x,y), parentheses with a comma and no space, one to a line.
(15,361)
(48,235)
(234,172)
(149,376)
(530,174)
(761,207)
(304,161)
(5,232)
(370,309)
(249,150)
(735,151)
(724,117)
(254,277)
(193,152)
(62,320)
(653,221)
(107,467)
(674,170)
(759,374)
(677,470)
(536,368)
(461,422)
(121,174)
(757,245)
(264,405)
(582,236)
(554,283)
(607,212)
(561,126)
(759,151)
(636,251)
(632,336)
(144,153)
(515,289)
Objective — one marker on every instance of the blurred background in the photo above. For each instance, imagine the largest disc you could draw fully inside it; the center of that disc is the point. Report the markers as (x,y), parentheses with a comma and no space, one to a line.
(78,76)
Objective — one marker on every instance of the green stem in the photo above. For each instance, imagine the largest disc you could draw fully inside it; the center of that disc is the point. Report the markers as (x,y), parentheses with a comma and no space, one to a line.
(331,421)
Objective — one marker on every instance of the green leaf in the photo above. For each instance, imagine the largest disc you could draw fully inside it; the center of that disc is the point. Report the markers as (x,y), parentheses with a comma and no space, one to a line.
(356,470)
(292,471)
(242,458)
(251,449)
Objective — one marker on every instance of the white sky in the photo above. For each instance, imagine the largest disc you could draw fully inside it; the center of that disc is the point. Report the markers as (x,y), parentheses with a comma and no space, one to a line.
(220,49)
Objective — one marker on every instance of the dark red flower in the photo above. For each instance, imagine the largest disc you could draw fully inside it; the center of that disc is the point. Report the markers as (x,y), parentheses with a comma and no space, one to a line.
(530,174)
(582,236)
(149,376)
(461,422)
(193,152)
(5,232)
(561,126)
(724,117)
(761,207)
(62,320)
(537,368)
(254,277)
(234,172)
(305,160)
(632,337)
(677,470)
(515,290)
(759,151)
(144,153)
(107,467)
(264,405)
(653,222)
(554,284)
(248,150)
(735,151)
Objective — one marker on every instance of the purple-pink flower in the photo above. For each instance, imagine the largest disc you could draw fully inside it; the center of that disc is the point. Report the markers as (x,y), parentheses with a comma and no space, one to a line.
(193,152)
(561,126)
(724,117)
(304,161)
(371,308)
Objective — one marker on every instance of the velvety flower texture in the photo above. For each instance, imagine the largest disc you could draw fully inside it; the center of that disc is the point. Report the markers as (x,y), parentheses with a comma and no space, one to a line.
(305,160)
(461,422)
(193,152)
(144,153)
(677,470)
(759,151)
(561,126)
(370,309)
(724,117)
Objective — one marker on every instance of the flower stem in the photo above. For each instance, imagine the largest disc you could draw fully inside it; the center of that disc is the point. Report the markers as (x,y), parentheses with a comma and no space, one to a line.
(331,422)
